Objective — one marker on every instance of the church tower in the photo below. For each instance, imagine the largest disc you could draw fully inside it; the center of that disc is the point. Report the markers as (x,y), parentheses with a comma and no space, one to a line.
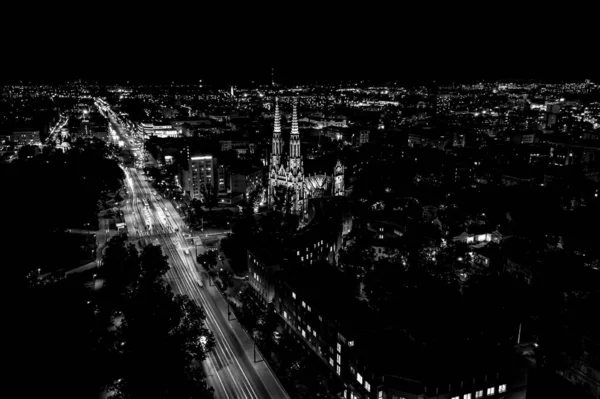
(295,166)
(277,145)
(295,160)
(276,154)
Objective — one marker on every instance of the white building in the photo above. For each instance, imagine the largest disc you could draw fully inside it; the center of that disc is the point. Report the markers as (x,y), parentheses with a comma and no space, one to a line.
(161,130)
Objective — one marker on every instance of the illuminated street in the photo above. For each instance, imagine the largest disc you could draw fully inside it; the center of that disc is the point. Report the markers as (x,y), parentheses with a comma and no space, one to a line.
(230,367)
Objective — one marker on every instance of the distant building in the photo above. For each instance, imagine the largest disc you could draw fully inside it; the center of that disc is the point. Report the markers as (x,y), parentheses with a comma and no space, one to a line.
(222,178)
(319,121)
(241,146)
(24,137)
(459,140)
(159,130)
(364,137)
(509,180)
(99,132)
(245,182)
(524,138)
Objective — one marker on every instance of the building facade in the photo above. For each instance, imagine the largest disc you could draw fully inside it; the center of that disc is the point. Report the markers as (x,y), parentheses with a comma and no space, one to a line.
(25,137)
(202,171)
(160,130)
(287,170)
(245,182)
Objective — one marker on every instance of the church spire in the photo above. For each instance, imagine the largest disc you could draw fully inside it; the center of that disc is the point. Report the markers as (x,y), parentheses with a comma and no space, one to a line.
(277,128)
(295,118)
(295,134)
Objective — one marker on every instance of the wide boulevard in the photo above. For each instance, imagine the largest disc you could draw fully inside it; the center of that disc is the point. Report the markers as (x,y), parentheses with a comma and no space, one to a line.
(230,367)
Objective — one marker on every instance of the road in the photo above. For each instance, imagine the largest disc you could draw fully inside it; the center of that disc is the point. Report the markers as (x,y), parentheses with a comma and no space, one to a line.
(230,367)
(56,129)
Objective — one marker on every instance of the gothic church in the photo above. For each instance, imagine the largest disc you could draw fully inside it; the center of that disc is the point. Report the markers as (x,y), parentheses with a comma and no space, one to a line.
(287,170)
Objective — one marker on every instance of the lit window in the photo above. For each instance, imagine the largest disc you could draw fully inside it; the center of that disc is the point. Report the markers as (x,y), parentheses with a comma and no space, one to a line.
(308,328)
(308,308)
(294,295)
(380,395)
(331,361)
(314,333)
(284,314)
(467,396)
(320,318)
(298,253)
(302,258)
(479,394)
(367,386)
(303,304)
(338,370)
(303,334)
(502,388)
(339,359)
(359,378)
(455,397)
(490,391)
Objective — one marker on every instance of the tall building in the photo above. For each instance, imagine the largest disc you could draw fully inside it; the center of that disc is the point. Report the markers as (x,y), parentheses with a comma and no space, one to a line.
(287,170)
(222,173)
(202,174)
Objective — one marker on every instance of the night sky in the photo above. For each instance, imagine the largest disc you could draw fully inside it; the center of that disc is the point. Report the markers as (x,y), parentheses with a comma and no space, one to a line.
(305,43)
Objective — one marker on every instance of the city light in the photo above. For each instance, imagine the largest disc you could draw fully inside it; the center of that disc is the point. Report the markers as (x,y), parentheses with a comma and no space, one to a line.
(348,229)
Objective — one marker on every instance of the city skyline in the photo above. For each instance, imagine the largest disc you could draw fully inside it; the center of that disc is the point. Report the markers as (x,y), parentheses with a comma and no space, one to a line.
(297,201)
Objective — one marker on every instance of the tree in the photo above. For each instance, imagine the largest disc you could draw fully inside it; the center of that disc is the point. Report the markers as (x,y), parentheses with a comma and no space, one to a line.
(284,199)
(208,259)
(195,211)
(162,338)
(70,345)
(256,196)
(121,262)
(243,235)
(356,260)
(210,195)
(153,264)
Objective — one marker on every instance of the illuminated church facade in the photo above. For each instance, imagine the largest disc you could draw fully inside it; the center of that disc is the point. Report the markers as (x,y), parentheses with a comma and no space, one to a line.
(287,170)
